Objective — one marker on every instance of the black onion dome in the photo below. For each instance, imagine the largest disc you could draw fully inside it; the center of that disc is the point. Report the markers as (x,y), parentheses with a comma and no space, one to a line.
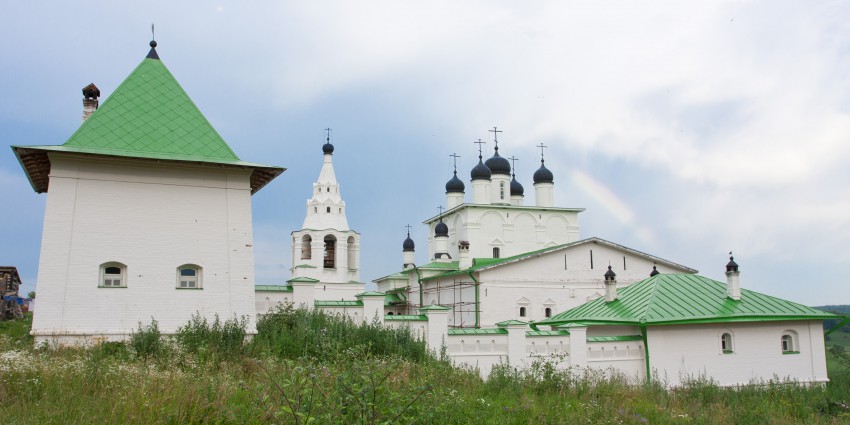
(480,171)
(610,275)
(498,165)
(441,229)
(654,272)
(731,266)
(543,175)
(328,148)
(455,185)
(408,244)
(516,188)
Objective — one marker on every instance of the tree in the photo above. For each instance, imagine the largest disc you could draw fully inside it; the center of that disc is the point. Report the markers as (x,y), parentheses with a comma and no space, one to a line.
(31,294)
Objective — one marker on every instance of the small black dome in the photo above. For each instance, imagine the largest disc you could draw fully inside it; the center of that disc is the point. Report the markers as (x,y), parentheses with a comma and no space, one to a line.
(543,175)
(408,244)
(498,165)
(441,229)
(328,148)
(455,185)
(610,275)
(731,266)
(516,188)
(654,272)
(480,171)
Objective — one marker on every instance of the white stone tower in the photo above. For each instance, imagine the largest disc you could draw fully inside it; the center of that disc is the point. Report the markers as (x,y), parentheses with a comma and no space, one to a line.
(326,250)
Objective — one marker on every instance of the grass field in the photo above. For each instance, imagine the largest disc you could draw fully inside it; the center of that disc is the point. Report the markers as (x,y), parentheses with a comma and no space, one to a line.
(305,367)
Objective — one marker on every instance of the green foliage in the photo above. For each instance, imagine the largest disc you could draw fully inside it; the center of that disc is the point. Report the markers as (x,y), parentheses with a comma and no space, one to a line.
(213,341)
(146,341)
(31,294)
(352,383)
(287,332)
(16,333)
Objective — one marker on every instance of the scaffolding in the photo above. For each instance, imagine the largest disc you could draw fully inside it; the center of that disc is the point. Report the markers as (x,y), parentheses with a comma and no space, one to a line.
(459,296)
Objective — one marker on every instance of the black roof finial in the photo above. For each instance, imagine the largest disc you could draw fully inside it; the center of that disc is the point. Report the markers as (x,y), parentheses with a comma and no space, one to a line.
(480,152)
(152,54)
(328,148)
(731,266)
(541,146)
(513,165)
(495,137)
(455,156)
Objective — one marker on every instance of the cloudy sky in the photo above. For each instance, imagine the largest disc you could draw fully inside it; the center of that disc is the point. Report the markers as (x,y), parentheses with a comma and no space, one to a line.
(686,129)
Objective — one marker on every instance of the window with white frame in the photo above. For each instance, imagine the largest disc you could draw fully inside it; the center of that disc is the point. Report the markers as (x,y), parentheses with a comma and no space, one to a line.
(522,312)
(113,275)
(726,343)
(189,277)
(788,343)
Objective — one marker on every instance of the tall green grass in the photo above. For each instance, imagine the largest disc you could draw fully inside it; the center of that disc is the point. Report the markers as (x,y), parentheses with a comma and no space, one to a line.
(281,377)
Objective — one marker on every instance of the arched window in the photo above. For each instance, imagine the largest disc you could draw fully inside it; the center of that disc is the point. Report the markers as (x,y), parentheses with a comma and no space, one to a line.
(329,210)
(306,247)
(330,252)
(502,190)
(113,275)
(726,343)
(522,312)
(352,261)
(189,277)
(547,312)
(496,252)
(789,343)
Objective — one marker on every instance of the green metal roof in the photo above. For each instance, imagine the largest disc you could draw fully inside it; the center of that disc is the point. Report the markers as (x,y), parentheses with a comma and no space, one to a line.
(303,279)
(394,298)
(371,294)
(683,298)
(614,338)
(406,317)
(488,331)
(547,333)
(451,265)
(305,266)
(510,322)
(434,307)
(147,116)
(483,263)
(272,288)
(340,303)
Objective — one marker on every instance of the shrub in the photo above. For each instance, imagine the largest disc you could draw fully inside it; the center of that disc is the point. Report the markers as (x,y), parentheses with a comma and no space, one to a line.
(216,341)
(146,341)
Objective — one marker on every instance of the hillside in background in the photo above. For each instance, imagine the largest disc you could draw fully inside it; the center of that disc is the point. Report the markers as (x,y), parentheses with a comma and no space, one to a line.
(841,336)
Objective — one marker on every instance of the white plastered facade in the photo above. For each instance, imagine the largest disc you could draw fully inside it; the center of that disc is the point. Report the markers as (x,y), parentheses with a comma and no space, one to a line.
(151,217)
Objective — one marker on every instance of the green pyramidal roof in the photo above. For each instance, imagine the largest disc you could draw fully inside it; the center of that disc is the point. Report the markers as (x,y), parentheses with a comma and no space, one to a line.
(148,116)
(684,298)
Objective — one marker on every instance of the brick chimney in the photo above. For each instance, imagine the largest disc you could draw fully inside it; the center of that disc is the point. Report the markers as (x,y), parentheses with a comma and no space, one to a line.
(90,102)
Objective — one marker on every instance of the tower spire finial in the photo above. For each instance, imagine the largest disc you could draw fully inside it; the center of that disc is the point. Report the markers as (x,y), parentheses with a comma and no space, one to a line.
(408,230)
(542,147)
(513,165)
(455,156)
(152,54)
(495,132)
(328,148)
(480,152)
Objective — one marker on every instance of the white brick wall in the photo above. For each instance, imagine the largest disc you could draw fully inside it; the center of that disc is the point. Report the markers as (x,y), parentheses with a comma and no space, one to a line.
(153,217)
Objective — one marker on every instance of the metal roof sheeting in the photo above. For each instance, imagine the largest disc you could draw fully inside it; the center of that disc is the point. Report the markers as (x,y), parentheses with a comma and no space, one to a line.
(684,298)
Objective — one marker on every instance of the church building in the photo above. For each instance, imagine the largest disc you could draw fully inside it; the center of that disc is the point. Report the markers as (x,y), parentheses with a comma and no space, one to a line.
(498,257)
(148,216)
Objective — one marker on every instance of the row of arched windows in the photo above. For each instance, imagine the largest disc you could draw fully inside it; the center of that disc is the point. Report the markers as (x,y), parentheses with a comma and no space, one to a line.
(329,250)
(114,275)
(788,343)
(547,312)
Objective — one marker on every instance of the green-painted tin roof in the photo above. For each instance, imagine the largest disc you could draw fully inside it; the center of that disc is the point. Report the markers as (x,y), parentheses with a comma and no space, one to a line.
(488,331)
(511,322)
(370,294)
(484,263)
(614,338)
(340,303)
(303,279)
(272,288)
(547,333)
(305,266)
(149,116)
(434,307)
(683,298)
(394,298)
(451,265)
(406,317)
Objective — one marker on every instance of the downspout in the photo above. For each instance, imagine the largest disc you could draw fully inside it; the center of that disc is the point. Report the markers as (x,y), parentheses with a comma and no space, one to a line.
(419,280)
(838,326)
(646,351)
(477,301)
